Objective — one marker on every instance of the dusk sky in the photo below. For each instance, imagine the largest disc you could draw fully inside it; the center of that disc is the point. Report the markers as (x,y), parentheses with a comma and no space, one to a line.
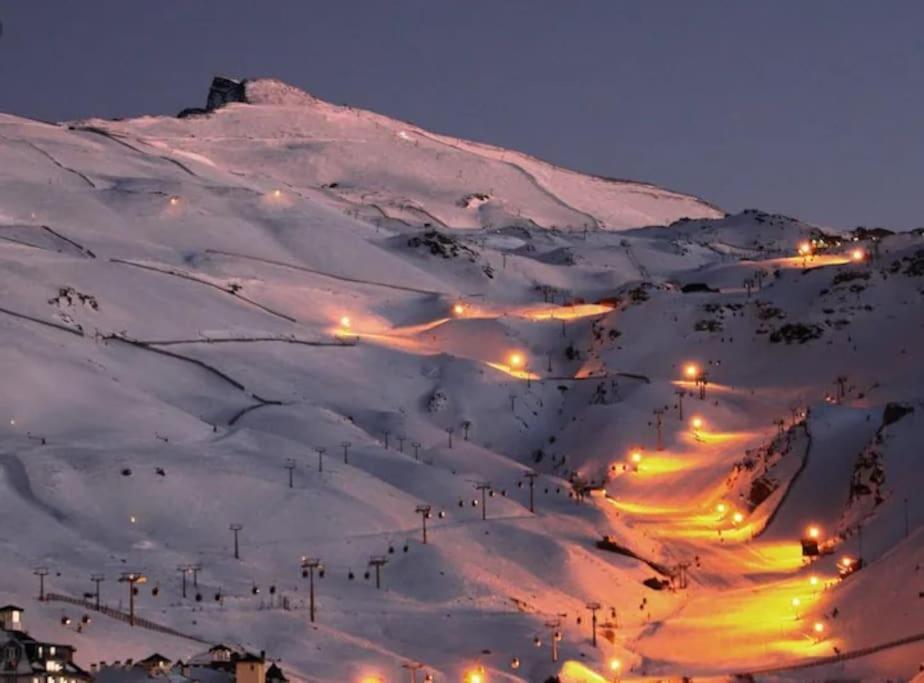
(813,109)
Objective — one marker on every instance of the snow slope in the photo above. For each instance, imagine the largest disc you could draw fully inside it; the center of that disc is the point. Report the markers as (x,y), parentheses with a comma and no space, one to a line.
(172,343)
(378,166)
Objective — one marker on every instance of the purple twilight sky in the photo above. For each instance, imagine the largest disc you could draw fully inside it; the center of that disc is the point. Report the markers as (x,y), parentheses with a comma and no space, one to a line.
(813,109)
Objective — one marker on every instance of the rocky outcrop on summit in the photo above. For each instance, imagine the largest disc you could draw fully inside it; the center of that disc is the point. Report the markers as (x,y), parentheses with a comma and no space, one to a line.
(221,92)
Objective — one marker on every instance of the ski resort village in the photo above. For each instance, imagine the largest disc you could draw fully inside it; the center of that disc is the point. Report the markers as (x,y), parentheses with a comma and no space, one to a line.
(293,391)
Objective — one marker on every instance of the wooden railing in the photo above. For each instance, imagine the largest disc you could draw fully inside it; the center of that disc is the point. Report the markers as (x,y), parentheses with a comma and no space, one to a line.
(122,616)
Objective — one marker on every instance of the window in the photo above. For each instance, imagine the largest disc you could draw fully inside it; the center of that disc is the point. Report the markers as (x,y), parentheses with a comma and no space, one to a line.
(51,651)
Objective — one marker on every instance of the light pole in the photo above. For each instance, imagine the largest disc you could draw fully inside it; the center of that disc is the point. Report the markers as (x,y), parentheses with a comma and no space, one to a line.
(131,578)
(236,528)
(401,440)
(97,579)
(449,432)
(593,607)
(555,636)
(659,417)
(484,487)
(321,451)
(184,570)
(702,381)
(41,572)
(290,465)
(416,447)
(195,569)
(346,452)
(680,393)
(413,667)
(616,668)
(424,512)
(378,561)
(387,434)
(309,565)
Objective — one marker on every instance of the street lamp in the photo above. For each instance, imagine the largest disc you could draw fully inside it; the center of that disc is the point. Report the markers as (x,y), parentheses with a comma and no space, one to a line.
(459,308)
(635,458)
(857,255)
(697,424)
(517,360)
(476,676)
(691,371)
(819,630)
(616,669)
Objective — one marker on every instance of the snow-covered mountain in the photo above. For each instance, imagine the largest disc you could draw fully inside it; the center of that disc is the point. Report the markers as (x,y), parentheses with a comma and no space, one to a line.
(380,168)
(194,309)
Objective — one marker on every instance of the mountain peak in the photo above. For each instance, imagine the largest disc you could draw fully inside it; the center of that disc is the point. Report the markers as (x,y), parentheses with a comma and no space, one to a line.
(266,91)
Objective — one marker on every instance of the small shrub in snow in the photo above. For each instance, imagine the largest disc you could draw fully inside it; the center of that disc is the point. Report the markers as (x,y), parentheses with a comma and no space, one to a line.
(848,276)
(796,333)
(708,325)
(68,296)
(438,402)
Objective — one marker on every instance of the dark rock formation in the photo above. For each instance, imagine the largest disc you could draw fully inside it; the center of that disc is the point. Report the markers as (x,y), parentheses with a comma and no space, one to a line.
(222,91)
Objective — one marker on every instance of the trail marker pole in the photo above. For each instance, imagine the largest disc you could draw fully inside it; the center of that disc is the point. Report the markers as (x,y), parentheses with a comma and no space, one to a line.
(236,528)
(531,476)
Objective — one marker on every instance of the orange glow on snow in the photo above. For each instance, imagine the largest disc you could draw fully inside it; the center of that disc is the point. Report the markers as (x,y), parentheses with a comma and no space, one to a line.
(574,312)
(575,672)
